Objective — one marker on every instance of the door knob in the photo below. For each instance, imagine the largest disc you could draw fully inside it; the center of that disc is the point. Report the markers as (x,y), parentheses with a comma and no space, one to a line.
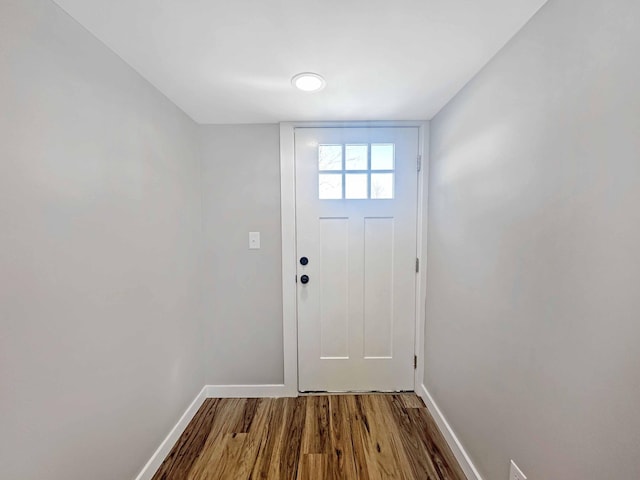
(304,279)
(304,260)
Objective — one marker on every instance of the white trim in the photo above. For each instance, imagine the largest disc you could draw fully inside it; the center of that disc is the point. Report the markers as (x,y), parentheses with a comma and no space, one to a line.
(249,391)
(421,279)
(458,450)
(149,470)
(288,223)
(355,124)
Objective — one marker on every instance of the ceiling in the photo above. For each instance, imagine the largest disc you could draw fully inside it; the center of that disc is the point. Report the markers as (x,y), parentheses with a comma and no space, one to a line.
(232,61)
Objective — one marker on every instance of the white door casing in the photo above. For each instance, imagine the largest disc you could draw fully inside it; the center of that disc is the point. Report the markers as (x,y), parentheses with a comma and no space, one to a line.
(356,314)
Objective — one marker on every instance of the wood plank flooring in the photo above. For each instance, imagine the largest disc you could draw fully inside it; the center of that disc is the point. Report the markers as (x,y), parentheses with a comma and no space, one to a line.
(329,437)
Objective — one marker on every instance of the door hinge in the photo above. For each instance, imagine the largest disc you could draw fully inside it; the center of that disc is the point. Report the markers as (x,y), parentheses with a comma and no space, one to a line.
(415,362)
(296,278)
(419,162)
(417,265)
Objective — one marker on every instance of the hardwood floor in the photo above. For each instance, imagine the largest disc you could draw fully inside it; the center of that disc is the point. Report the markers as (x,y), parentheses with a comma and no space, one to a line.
(377,436)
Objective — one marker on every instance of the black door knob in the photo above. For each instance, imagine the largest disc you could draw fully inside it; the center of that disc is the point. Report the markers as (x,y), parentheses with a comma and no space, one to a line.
(304,260)
(304,279)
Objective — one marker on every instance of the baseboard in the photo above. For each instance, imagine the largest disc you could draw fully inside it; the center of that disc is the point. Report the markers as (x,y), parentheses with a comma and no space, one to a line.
(458,450)
(167,444)
(249,391)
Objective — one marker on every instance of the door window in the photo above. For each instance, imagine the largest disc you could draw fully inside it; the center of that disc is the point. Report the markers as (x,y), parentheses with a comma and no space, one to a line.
(356,171)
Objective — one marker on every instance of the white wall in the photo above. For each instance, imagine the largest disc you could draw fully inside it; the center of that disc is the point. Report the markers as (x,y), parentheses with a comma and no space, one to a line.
(100,234)
(242,287)
(534,234)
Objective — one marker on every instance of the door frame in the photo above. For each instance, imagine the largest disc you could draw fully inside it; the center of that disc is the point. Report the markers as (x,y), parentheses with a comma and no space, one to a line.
(288,223)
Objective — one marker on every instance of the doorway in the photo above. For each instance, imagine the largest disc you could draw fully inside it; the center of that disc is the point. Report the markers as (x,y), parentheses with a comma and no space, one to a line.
(356,200)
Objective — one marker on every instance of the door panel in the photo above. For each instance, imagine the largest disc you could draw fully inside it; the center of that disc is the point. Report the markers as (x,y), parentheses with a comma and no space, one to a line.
(333,260)
(356,194)
(378,287)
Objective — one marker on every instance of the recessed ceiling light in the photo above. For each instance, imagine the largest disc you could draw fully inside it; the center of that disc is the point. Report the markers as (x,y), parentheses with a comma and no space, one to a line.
(308,82)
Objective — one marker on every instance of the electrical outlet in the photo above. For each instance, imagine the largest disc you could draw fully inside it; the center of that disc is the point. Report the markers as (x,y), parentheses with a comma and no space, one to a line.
(515,473)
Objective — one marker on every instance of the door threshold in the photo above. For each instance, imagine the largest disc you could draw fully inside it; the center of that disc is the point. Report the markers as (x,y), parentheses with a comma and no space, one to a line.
(354,392)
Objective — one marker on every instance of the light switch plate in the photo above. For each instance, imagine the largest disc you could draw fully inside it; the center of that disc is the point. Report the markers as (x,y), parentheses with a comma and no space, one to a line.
(254,240)
(515,473)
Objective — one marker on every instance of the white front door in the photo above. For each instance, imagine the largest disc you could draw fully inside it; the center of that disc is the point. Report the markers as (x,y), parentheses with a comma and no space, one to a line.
(356,209)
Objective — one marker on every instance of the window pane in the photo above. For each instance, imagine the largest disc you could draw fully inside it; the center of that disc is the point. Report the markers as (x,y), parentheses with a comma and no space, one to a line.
(382,185)
(356,157)
(382,156)
(330,157)
(356,186)
(329,186)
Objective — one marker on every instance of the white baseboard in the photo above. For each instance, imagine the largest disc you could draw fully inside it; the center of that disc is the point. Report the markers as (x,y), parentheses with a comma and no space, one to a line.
(167,444)
(458,450)
(249,391)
